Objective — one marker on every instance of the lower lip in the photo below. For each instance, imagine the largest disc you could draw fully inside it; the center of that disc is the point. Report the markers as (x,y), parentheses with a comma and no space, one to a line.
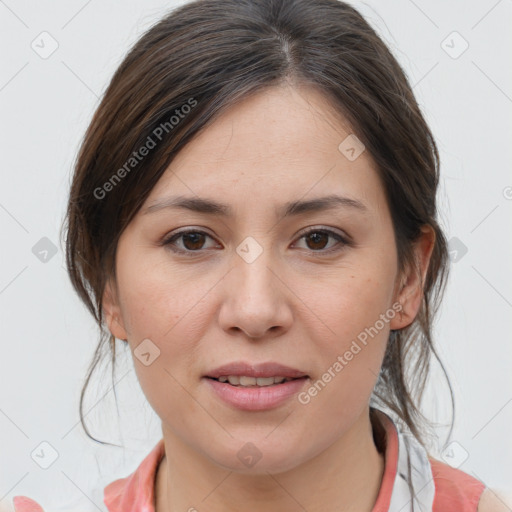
(257,398)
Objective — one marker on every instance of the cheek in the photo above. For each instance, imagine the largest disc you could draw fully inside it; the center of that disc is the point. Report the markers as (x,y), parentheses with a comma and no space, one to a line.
(352,353)
(158,299)
(167,311)
(164,390)
(351,329)
(166,308)
(348,304)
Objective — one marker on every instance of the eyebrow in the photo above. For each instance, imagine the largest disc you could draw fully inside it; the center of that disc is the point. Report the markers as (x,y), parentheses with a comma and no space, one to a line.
(208,206)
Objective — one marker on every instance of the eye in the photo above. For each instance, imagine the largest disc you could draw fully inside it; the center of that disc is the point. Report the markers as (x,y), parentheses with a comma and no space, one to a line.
(317,240)
(192,240)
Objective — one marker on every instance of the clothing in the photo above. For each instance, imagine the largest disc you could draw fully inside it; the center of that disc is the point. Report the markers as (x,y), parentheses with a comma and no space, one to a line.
(438,486)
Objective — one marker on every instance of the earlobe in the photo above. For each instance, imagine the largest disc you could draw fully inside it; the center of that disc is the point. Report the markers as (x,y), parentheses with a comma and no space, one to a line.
(410,291)
(112,312)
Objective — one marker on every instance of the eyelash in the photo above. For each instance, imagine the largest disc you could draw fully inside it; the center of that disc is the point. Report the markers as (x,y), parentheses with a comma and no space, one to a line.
(345,242)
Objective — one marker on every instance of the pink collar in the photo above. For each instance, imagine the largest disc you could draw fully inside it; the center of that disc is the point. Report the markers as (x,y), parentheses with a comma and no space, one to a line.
(135,493)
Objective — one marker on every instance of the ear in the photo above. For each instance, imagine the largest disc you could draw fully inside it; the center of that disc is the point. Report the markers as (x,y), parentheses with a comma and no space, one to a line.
(410,292)
(112,312)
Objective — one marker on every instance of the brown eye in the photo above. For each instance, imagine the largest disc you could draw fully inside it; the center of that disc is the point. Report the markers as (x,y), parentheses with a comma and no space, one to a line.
(317,240)
(191,241)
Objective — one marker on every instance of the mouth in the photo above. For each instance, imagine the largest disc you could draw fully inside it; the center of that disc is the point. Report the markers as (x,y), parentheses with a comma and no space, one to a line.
(245,374)
(245,381)
(255,387)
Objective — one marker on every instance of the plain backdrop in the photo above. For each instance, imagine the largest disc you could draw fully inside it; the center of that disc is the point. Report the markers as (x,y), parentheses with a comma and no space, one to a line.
(456,55)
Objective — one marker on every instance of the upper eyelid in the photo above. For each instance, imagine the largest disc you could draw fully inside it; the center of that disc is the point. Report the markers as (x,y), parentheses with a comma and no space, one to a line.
(302,232)
(305,231)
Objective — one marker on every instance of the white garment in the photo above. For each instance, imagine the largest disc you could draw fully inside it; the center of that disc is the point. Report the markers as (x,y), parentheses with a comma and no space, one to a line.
(413,466)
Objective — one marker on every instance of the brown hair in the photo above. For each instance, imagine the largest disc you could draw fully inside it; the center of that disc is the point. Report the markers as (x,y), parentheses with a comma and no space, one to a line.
(209,54)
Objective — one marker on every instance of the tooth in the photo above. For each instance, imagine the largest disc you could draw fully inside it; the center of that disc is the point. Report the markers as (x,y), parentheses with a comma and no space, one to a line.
(265,381)
(234,380)
(246,381)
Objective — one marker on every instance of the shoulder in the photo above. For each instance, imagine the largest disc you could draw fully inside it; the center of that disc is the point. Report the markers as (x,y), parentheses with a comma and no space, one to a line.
(26,504)
(455,489)
(490,502)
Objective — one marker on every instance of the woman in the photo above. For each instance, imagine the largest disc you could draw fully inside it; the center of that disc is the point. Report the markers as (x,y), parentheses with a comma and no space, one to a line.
(253,212)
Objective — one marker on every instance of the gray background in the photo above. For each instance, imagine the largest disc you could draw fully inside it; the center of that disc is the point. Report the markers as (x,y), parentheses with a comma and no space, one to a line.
(48,337)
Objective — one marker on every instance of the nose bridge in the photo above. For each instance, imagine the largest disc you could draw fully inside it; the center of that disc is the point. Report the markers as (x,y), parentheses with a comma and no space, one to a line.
(255,258)
(254,301)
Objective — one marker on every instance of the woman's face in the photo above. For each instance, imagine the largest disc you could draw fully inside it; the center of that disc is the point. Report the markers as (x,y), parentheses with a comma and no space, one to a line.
(250,286)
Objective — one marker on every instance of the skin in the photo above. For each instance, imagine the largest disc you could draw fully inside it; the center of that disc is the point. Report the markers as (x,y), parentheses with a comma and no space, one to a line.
(296,304)
(493,501)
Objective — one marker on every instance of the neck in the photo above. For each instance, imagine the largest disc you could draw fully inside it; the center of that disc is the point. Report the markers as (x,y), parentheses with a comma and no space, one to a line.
(344,478)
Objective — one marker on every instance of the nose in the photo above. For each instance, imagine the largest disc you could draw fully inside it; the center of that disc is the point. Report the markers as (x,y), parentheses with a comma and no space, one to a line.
(257,300)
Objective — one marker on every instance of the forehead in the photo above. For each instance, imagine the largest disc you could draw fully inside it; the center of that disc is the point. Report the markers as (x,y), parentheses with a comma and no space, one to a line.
(279,144)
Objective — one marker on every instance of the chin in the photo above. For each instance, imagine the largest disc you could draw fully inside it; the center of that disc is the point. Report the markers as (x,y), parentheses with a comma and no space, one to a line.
(259,457)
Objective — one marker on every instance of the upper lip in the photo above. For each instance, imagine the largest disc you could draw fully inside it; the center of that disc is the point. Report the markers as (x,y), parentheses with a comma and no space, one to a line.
(269,369)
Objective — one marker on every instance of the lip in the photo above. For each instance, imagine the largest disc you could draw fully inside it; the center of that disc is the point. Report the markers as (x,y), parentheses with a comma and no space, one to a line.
(268,369)
(256,398)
